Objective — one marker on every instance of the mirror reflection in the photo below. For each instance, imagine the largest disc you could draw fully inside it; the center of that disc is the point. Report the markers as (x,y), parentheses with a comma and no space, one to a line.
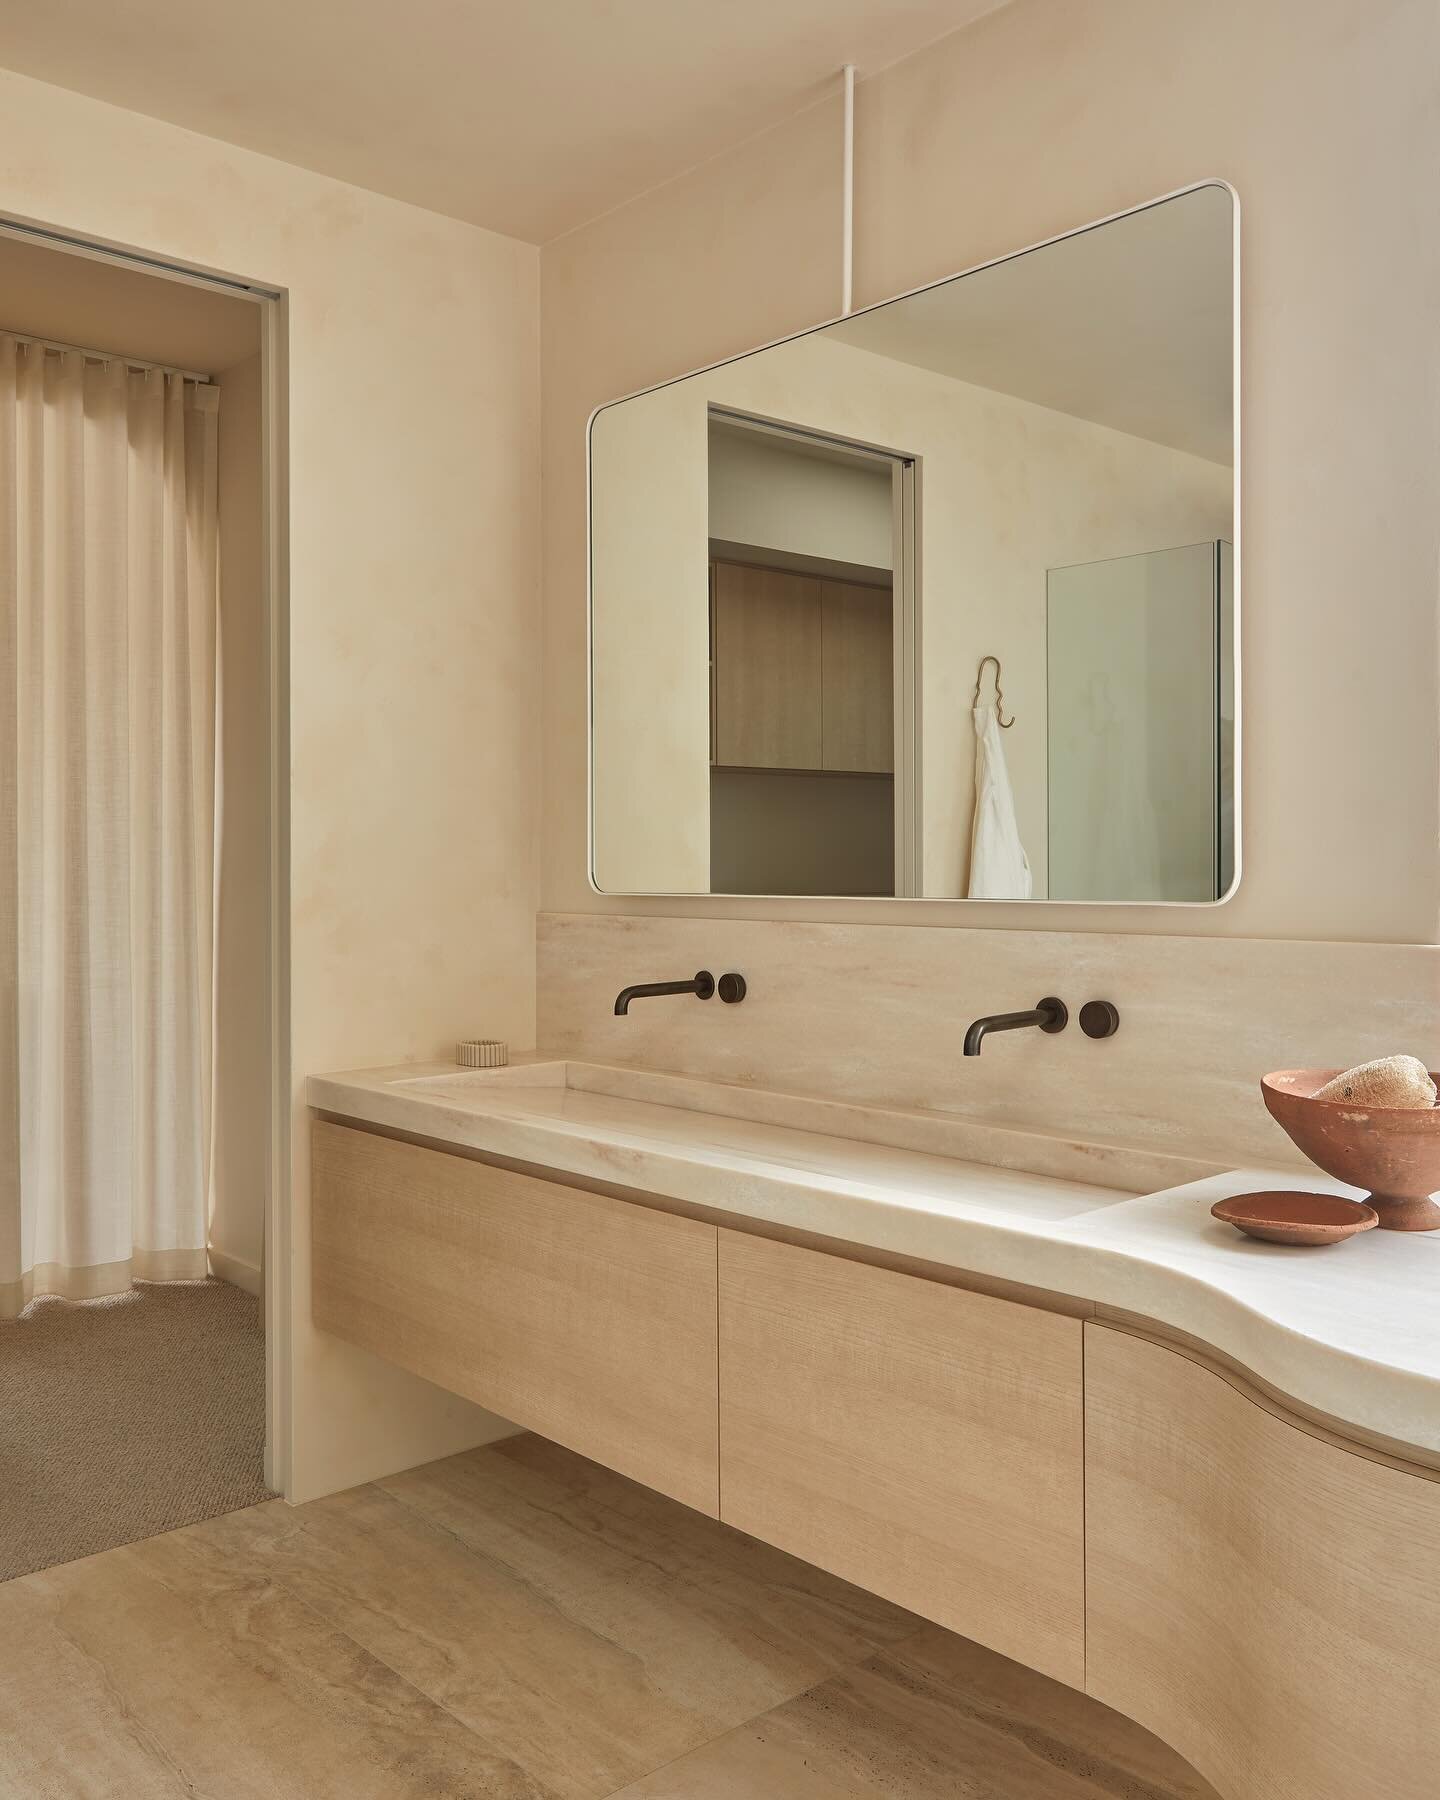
(935,601)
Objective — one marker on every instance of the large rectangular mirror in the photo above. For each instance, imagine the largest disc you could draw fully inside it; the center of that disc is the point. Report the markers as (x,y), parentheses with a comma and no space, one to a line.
(936,601)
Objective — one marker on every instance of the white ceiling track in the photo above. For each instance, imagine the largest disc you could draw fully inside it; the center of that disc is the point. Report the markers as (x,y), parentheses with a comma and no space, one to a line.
(847,200)
(134,259)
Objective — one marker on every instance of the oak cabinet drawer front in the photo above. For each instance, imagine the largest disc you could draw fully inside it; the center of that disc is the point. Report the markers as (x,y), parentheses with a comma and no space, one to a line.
(920,1440)
(1263,1600)
(587,1319)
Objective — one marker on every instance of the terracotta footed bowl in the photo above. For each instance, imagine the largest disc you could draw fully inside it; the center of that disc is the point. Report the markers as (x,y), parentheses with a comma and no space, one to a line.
(1392,1151)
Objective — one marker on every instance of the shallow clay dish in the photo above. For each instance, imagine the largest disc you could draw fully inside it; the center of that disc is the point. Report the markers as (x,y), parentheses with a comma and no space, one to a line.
(1284,1217)
(1391,1151)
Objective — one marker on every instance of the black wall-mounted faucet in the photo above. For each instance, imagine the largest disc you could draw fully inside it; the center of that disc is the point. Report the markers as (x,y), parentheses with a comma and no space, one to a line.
(730,987)
(1049,1014)
(1098,1019)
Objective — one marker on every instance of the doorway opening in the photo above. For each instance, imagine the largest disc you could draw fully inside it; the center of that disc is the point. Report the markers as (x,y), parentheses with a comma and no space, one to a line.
(813,698)
(139,895)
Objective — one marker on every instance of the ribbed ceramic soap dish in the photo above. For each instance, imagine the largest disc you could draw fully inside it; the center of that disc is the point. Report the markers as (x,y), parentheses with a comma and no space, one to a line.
(482,1053)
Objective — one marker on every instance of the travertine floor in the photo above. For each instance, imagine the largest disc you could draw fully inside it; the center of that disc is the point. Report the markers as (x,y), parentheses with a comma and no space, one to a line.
(518,1623)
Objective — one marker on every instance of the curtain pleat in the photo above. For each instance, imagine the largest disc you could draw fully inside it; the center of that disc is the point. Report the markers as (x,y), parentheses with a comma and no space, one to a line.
(108,577)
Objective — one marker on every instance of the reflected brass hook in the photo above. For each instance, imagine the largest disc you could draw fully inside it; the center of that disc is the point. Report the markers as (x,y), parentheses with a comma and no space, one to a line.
(1003,722)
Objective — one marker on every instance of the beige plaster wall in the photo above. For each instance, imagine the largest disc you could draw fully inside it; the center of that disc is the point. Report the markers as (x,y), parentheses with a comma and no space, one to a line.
(1040,117)
(413,365)
(652,649)
(774,495)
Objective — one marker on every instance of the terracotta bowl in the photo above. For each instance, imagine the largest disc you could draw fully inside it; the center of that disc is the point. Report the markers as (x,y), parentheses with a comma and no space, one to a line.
(1392,1151)
(1288,1217)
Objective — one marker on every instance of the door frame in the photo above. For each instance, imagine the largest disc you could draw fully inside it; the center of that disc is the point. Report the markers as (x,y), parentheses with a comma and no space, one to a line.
(275,613)
(904,467)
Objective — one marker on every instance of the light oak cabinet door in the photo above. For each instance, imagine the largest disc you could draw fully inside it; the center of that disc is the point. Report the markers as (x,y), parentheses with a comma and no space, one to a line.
(857,682)
(1263,1600)
(767,669)
(583,1318)
(919,1440)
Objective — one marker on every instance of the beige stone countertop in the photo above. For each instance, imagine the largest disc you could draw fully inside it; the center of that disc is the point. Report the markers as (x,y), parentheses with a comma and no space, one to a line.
(1351,1331)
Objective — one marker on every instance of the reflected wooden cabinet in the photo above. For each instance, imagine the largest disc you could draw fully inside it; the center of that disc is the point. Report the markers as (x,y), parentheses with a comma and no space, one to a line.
(767,668)
(857,682)
(921,1440)
(1261,1598)
(587,1319)
(803,674)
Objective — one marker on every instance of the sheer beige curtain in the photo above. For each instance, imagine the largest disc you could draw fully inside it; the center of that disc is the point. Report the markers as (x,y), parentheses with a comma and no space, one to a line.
(108,566)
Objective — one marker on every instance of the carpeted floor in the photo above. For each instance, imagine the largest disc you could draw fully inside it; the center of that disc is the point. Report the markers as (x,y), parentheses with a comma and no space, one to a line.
(123,1418)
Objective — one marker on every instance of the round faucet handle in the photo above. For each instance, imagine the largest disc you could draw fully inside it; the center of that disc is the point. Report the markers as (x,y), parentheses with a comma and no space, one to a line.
(732,988)
(1099,1018)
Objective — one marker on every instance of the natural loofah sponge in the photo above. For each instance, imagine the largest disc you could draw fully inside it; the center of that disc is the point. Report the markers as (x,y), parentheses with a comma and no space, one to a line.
(1392,1081)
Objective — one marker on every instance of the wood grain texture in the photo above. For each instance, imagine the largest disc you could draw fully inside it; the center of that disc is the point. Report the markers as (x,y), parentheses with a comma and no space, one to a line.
(767,668)
(582,1317)
(857,683)
(918,1439)
(1266,1602)
(1329,1427)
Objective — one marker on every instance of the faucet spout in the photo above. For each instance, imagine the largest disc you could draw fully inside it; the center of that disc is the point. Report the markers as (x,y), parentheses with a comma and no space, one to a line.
(1049,1014)
(702,987)
(730,987)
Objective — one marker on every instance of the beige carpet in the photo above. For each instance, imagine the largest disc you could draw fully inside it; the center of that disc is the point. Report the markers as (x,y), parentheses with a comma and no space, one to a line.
(123,1418)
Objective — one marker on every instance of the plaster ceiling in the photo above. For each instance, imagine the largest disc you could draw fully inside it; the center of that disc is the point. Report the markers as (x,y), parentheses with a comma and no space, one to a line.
(527,117)
(1129,324)
(100,305)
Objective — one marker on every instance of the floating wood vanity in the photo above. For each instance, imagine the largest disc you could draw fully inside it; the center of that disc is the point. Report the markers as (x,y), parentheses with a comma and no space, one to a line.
(1133,1515)
(584,1318)
(920,1440)
(1264,1600)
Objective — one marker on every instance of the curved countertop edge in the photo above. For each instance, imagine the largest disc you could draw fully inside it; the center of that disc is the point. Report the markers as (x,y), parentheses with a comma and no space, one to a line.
(1350,1333)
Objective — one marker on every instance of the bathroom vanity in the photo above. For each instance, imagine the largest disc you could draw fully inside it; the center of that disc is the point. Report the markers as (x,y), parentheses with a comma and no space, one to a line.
(1019,1384)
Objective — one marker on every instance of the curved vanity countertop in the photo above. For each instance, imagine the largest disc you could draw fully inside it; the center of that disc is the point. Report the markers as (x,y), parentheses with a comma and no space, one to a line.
(1351,1331)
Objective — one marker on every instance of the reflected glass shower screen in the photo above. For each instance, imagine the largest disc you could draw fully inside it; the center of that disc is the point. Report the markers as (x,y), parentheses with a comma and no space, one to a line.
(1136,735)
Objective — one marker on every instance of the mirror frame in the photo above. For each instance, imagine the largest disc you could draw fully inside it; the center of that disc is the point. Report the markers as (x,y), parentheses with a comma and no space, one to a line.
(828,900)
